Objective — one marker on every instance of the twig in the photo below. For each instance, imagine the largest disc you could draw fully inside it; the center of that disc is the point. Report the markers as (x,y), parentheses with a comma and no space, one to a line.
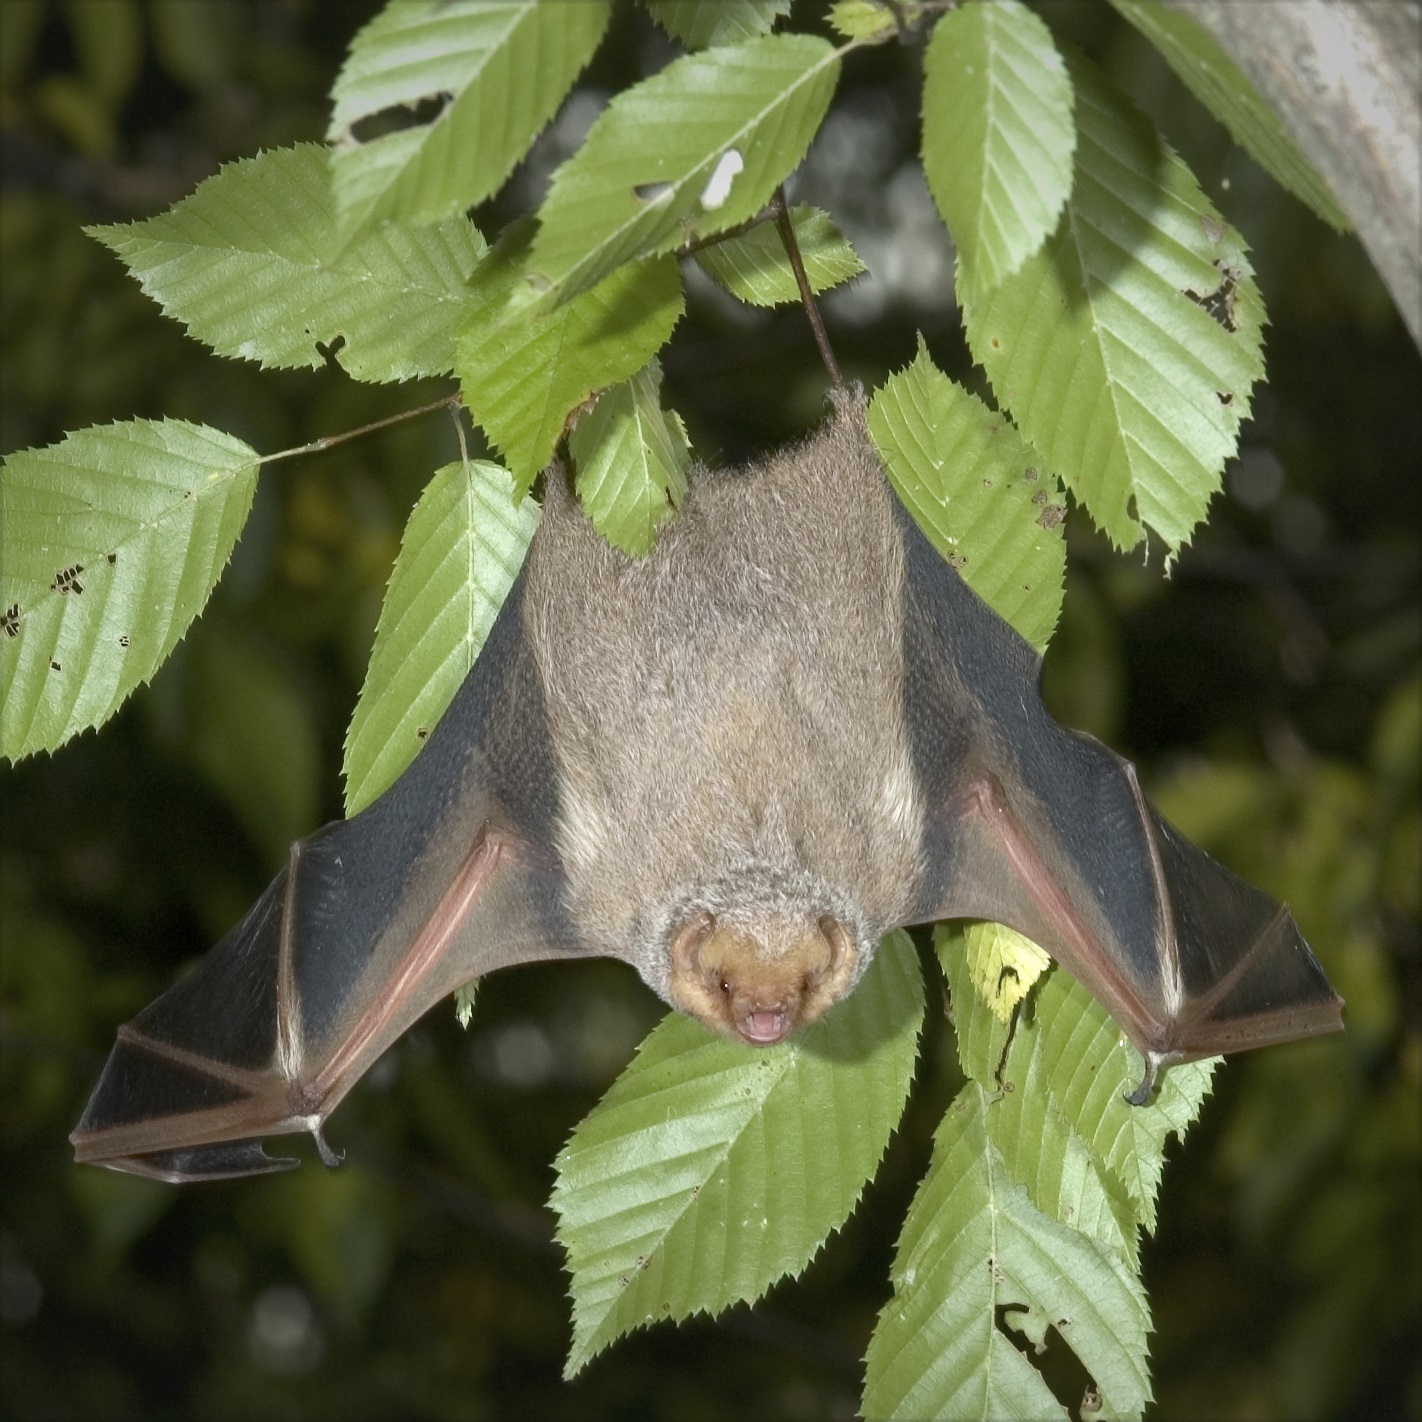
(449,402)
(699,244)
(781,209)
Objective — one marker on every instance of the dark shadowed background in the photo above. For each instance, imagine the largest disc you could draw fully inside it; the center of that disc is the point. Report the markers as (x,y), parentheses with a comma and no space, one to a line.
(1268,687)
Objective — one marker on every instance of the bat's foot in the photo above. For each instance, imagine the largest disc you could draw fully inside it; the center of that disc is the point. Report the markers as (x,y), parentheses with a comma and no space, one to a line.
(329,1158)
(1143,1092)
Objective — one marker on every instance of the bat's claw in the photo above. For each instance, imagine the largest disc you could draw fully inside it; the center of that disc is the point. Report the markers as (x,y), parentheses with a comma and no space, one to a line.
(329,1158)
(1142,1093)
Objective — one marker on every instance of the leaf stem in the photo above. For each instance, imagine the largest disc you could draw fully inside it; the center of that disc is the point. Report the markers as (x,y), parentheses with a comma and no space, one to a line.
(781,211)
(699,244)
(449,402)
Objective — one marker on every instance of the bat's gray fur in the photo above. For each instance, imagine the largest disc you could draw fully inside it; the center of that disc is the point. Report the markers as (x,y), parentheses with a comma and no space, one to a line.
(746,628)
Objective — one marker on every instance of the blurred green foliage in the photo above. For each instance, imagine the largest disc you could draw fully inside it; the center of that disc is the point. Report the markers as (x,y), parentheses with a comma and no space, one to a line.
(1269,688)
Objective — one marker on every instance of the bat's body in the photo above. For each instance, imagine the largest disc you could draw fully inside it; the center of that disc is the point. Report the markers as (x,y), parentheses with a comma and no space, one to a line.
(735,764)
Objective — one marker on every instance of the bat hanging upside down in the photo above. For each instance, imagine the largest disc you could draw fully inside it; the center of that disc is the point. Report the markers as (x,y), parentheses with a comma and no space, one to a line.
(734,764)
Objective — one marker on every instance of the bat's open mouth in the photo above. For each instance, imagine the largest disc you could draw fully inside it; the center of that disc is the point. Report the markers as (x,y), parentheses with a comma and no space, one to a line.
(765,1028)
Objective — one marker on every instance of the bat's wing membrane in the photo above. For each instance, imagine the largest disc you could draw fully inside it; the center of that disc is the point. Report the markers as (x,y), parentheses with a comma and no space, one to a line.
(449,875)
(1047,831)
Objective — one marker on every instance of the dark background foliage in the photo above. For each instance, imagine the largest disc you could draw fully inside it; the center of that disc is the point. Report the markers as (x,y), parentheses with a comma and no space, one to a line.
(1269,688)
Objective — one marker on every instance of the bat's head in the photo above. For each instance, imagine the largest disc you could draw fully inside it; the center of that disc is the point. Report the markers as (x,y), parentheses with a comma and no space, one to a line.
(759,980)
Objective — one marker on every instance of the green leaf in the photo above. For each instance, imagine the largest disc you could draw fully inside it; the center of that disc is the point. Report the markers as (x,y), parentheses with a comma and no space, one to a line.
(860,19)
(1003,965)
(631,458)
(1088,1067)
(459,556)
(978,490)
(974,1243)
(711,1169)
(997,135)
(113,539)
(1071,1052)
(1214,78)
(522,378)
(755,268)
(1126,349)
(701,24)
(1040,1149)
(252,265)
(1043,1153)
(643,180)
(982,1034)
(499,70)
(464,1003)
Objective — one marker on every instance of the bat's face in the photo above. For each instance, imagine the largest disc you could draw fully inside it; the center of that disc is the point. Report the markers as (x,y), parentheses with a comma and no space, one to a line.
(759,979)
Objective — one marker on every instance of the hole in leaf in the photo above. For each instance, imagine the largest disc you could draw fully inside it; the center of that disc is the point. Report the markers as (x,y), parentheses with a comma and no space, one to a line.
(123,639)
(66,580)
(54,665)
(10,620)
(330,350)
(421,732)
(1045,1347)
(1222,304)
(112,557)
(397,118)
(718,185)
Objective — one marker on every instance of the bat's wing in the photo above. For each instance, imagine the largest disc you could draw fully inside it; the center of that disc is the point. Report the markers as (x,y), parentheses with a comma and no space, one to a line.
(447,876)
(1047,831)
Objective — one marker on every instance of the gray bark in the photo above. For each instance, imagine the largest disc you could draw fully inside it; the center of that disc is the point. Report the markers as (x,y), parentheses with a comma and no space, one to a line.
(1345,76)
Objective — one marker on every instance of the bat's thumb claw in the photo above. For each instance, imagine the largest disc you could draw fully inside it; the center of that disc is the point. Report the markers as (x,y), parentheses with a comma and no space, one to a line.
(1142,1093)
(329,1158)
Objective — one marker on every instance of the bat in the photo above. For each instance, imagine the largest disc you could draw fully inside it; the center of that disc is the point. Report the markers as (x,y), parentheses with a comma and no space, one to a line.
(734,764)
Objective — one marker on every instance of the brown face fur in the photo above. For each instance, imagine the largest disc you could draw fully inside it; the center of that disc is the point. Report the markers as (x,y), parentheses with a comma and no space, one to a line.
(733,982)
